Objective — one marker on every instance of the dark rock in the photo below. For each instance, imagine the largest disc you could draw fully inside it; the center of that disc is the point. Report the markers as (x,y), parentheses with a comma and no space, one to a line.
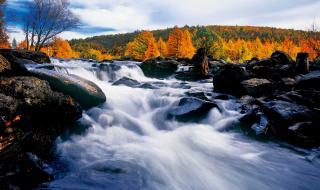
(257,87)
(309,81)
(309,98)
(162,69)
(126,82)
(191,109)
(306,134)
(35,99)
(201,63)
(302,65)
(5,66)
(83,91)
(148,86)
(228,80)
(287,84)
(35,56)
(281,57)
(283,114)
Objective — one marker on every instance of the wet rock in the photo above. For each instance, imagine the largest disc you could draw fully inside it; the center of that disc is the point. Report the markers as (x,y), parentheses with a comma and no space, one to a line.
(286,113)
(126,82)
(306,134)
(83,91)
(5,66)
(191,109)
(257,87)
(159,69)
(200,62)
(228,80)
(36,56)
(148,86)
(302,65)
(309,81)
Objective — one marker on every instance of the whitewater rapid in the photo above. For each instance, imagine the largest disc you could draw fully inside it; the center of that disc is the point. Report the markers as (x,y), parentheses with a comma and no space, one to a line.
(131,144)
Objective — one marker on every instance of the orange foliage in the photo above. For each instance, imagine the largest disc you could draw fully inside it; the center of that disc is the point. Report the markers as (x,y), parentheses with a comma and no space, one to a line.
(22,45)
(143,47)
(162,46)
(174,43)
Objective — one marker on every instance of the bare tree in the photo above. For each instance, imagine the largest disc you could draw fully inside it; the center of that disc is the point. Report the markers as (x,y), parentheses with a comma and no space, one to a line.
(45,20)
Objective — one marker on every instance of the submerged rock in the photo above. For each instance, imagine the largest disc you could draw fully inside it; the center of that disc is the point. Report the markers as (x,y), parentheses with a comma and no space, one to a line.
(83,91)
(191,109)
(126,82)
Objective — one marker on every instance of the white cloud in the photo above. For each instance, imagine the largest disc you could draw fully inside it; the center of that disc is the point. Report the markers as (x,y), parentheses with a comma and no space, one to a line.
(129,15)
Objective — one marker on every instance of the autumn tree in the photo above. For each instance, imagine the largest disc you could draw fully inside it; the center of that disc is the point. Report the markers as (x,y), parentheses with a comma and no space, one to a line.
(175,42)
(4,43)
(22,45)
(140,45)
(152,49)
(187,49)
(162,47)
(45,20)
(311,42)
(61,49)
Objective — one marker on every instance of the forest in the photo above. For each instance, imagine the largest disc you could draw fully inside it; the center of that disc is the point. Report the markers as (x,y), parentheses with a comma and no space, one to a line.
(231,43)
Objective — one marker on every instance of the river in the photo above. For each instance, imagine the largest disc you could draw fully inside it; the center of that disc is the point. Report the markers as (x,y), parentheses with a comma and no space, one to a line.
(130,143)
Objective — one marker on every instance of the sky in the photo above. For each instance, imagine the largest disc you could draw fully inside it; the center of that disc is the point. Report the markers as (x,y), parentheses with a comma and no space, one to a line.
(100,17)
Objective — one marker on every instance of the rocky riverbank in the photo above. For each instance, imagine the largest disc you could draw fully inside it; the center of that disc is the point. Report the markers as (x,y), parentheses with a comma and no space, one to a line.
(280,96)
(35,108)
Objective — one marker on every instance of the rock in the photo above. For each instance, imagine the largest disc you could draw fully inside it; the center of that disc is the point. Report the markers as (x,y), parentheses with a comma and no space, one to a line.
(126,82)
(5,66)
(35,99)
(228,80)
(309,98)
(309,81)
(83,91)
(281,57)
(148,86)
(287,83)
(35,56)
(161,69)
(302,64)
(306,134)
(257,87)
(201,63)
(191,109)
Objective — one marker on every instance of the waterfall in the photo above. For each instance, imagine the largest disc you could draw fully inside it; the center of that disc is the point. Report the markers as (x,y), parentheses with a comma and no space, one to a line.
(131,144)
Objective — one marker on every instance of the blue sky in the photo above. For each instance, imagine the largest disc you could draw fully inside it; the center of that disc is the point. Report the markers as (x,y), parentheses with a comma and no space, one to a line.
(120,16)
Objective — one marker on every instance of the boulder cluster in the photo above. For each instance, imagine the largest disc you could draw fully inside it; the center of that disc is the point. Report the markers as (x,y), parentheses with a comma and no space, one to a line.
(35,108)
(284,91)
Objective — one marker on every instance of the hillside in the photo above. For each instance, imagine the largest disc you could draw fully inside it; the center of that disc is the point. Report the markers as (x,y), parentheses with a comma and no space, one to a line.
(117,42)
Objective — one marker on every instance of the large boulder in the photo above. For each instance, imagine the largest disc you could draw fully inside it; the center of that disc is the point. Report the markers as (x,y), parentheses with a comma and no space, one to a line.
(159,69)
(83,91)
(292,122)
(5,66)
(200,62)
(257,87)
(32,116)
(280,65)
(309,81)
(35,56)
(228,79)
(191,109)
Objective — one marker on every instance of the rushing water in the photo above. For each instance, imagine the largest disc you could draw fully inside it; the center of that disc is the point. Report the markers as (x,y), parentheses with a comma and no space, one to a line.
(132,145)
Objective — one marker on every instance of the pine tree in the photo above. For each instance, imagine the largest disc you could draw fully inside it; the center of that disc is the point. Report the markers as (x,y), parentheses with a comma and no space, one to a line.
(14,44)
